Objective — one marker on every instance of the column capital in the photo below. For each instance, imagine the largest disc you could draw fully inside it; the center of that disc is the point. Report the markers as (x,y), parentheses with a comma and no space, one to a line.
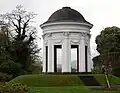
(66,33)
(89,35)
(45,42)
(86,42)
(49,35)
(84,34)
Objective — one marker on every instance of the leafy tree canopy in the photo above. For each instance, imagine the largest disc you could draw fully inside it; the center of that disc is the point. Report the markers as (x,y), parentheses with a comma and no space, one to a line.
(108,40)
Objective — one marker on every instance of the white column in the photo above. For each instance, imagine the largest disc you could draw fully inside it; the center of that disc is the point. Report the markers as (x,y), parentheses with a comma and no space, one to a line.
(90,64)
(82,54)
(66,55)
(80,58)
(52,53)
(50,57)
(44,58)
(69,55)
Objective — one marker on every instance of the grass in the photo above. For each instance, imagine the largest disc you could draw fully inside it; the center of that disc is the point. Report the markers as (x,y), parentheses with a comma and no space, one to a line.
(62,83)
(101,79)
(70,89)
(114,80)
(48,80)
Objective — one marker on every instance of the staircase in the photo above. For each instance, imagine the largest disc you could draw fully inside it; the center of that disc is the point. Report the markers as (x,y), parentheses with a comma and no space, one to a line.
(89,81)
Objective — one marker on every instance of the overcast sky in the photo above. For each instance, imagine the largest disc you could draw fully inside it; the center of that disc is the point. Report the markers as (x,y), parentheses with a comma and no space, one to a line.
(101,13)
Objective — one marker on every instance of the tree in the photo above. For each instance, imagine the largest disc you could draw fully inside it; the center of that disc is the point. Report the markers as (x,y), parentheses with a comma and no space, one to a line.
(108,40)
(4,40)
(97,64)
(7,66)
(22,48)
(108,45)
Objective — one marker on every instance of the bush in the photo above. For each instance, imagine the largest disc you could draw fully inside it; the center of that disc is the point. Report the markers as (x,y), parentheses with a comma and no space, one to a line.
(116,72)
(96,71)
(5,77)
(10,68)
(14,88)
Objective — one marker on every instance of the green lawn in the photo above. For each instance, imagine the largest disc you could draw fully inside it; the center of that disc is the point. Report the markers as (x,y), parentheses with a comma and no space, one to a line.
(70,89)
(46,80)
(62,83)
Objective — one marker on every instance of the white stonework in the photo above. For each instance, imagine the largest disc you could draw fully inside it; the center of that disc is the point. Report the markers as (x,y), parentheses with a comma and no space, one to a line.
(66,34)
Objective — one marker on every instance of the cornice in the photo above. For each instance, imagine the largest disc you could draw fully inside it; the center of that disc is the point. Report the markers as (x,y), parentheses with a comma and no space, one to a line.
(66,23)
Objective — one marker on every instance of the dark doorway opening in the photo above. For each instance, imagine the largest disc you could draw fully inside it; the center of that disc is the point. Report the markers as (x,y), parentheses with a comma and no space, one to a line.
(86,63)
(57,52)
(46,58)
(75,49)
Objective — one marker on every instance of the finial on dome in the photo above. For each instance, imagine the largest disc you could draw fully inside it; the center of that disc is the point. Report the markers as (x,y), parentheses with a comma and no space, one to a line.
(66,7)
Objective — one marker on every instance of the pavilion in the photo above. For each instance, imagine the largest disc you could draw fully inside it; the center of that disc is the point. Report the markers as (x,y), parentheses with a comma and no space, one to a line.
(66,29)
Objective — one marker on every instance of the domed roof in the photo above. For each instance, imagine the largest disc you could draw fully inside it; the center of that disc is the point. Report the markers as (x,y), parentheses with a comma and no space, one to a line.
(66,14)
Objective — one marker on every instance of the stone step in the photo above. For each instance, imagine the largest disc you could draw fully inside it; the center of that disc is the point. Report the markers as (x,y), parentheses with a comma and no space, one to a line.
(89,81)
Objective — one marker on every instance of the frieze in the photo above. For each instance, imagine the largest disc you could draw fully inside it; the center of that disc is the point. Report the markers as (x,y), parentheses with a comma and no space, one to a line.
(57,41)
(75,41)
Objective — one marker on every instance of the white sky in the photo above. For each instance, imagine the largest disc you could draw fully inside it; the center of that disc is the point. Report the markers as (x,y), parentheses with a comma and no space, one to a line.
(101,13)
